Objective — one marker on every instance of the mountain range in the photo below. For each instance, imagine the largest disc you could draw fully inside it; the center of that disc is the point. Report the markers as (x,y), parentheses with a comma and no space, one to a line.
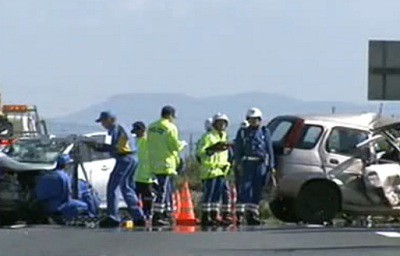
(192,111)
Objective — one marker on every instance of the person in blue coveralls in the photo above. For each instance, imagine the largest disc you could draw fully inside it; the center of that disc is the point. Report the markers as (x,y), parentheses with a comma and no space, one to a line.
(123,149)
(254,157)
(54,193)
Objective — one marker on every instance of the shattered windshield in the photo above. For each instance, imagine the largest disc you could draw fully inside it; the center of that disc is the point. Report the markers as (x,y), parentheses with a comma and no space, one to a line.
(36,151)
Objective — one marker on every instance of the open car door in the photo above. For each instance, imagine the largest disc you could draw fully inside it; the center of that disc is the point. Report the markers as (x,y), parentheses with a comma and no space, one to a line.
(99,168)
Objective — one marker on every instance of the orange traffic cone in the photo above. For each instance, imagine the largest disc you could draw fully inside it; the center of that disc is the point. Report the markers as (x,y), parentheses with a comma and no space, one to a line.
(177,204)
(185,229)
(186,213)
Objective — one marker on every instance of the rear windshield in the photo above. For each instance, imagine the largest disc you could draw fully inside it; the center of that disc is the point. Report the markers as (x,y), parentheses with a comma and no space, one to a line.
(309,137)
(280,129)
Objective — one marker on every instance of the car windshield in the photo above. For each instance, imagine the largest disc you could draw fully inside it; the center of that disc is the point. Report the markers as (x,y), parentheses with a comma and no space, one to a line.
(36,151)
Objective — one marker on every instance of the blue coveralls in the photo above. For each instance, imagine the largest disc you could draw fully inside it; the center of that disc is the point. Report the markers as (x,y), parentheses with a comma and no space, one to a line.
(53,191)
(226,189)
(254,152)
(123,149)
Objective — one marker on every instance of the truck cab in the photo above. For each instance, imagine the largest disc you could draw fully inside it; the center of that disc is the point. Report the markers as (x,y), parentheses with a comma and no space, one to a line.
(25,120)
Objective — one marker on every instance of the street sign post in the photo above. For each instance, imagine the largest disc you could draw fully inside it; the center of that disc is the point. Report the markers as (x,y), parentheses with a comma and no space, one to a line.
(384,70)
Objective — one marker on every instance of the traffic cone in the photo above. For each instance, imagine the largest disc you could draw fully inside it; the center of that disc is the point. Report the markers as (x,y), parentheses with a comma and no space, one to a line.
(186,214)
(177,204)
(185,229)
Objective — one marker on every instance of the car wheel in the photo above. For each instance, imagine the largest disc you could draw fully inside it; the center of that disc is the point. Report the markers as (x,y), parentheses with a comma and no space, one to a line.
(283,209)
(318,202)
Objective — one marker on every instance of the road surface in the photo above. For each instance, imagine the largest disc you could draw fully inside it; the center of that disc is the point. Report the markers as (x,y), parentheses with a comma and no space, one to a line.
(287,240)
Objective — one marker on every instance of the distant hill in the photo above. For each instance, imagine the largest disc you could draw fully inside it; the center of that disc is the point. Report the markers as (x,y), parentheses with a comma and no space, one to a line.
(193,111)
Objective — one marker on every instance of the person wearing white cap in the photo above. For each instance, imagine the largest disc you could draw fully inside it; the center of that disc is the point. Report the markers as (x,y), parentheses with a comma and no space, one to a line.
(254,157)
(213,152)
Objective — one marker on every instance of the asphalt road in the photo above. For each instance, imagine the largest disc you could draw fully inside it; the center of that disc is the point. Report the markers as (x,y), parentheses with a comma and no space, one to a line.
(289,240)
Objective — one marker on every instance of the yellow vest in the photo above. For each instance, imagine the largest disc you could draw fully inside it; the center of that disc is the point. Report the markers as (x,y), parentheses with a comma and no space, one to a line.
(217,164)
(163,147)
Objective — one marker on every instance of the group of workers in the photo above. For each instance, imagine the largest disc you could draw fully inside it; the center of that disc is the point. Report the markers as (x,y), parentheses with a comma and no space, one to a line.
(250,157)
(148,161)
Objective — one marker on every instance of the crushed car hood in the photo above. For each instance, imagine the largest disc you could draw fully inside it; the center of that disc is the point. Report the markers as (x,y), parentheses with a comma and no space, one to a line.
(384,123)
(11,164)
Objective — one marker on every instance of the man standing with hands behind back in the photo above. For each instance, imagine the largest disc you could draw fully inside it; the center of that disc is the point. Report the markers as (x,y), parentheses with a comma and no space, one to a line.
(163,147)
(254,156)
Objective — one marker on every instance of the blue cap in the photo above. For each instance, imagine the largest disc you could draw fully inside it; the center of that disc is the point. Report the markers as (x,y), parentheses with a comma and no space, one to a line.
(105,115)
(64,160)
(168,111)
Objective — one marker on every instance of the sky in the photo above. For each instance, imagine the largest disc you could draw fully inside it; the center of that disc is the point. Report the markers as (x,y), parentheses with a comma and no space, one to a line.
(67,55)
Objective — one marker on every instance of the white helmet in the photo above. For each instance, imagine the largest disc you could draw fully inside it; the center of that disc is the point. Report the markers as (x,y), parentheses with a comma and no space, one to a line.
(254,113)
(244,124)
(220,116)
(208,124)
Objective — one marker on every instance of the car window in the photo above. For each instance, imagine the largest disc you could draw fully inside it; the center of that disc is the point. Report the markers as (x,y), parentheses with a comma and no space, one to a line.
(343,140)
(81,153)
(309,137)
(95,155)
(279,130)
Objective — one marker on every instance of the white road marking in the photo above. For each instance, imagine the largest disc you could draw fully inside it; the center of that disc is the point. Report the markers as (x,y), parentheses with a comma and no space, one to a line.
(389,234)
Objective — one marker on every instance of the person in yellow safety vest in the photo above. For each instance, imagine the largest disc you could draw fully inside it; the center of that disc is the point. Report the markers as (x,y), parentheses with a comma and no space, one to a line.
(208,128)
(163,147)
(213,151)
(169,210)
(143,177)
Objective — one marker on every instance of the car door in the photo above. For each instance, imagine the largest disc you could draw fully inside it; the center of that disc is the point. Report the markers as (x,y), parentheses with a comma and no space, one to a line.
(339,153)
(100,167)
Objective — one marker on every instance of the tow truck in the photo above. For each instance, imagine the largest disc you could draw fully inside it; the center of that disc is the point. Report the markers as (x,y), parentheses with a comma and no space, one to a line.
(25,122)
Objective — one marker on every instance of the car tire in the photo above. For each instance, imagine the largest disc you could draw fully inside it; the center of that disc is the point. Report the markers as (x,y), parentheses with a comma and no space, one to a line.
(284,209)
(318,202)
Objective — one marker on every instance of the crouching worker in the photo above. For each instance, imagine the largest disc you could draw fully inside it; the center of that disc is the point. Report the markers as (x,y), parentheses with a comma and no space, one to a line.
(54,193)
(213,151)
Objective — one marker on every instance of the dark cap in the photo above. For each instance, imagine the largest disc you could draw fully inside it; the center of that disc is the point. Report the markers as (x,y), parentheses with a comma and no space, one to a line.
(105,115)
(168,111)
(138,126)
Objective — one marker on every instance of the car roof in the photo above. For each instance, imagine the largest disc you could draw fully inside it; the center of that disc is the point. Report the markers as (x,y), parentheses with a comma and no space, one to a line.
(367,121)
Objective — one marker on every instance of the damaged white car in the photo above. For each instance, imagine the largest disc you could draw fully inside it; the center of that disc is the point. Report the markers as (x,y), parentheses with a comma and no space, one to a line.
(331,165)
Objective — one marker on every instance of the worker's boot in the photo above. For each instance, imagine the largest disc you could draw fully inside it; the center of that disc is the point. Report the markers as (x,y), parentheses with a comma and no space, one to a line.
(239,218)
(158,220)
(253,219)
(140,223)
(227,218)
(215,219)
(206,219)
(109,223)
(168,217)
